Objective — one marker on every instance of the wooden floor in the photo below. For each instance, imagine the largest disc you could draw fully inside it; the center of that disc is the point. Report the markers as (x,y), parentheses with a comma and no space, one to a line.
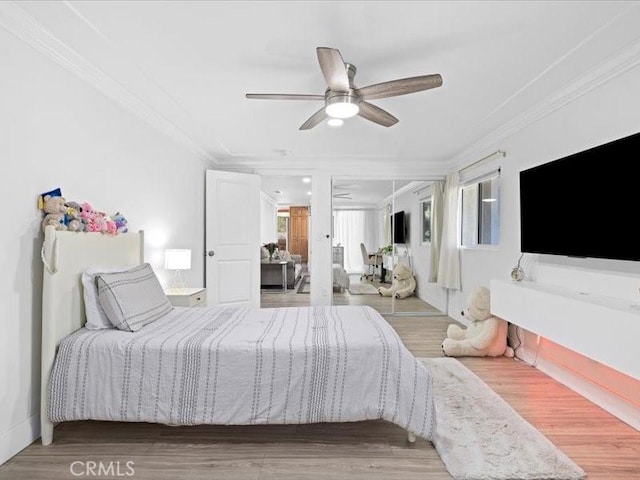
(277,298)
(604,447)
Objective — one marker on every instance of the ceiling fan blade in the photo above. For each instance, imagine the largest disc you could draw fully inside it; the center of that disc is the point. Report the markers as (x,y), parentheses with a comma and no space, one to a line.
(314,120)
(403,86)
(376,115)
(283,96)
(333,69)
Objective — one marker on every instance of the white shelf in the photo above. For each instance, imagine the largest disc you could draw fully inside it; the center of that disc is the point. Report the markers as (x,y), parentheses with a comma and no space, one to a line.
(596,326)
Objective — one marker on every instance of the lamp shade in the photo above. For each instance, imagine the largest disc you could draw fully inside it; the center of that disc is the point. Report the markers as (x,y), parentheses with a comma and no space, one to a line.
(177,259)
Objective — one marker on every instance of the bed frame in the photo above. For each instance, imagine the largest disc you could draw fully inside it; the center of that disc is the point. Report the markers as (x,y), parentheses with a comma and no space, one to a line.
(66,255)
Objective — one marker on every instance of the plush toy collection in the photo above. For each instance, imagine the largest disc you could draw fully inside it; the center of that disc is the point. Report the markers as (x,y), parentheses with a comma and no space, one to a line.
(77,217)
(403,285)
(485,337)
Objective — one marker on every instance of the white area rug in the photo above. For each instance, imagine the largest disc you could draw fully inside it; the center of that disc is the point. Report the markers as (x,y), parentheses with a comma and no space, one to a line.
(479,436)
(362,289)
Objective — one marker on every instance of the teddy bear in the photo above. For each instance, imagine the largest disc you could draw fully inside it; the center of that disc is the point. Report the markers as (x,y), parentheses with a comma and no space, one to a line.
(54,207)
(73,220)
(403,285)
(485,337)
(121,223)
(93,221)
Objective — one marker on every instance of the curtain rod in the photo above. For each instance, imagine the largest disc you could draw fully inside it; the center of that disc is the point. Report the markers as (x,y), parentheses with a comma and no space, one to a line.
(499,153)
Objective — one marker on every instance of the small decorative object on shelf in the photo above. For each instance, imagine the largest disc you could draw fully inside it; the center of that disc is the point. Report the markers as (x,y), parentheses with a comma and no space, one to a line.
(272,248)
(517,273)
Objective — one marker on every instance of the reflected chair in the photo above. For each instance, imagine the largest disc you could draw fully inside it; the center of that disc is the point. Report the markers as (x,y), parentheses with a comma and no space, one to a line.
(370,261)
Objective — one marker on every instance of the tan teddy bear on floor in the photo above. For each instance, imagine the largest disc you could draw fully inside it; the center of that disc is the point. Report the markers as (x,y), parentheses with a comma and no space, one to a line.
(485,337)
(403,285)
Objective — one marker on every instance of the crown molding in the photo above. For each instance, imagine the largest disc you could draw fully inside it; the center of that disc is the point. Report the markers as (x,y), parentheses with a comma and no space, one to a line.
(21,24)
(625,60)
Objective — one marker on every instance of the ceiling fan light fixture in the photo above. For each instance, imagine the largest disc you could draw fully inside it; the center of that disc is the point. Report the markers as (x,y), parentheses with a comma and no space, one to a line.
(342,105)
(335,122)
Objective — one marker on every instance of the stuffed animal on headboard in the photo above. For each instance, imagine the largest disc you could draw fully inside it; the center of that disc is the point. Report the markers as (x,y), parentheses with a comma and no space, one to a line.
(485,337)
(77,217)
(54,208)
(73,218)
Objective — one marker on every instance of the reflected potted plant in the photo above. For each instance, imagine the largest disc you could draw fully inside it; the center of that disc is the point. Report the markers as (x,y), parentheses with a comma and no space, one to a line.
(271,248)
(388,250)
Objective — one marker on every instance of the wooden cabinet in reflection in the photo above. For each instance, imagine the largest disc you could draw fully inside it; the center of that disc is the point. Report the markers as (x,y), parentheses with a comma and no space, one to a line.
(299,232)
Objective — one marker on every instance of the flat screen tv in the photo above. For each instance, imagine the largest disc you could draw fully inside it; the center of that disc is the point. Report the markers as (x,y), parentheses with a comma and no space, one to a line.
(399,228)
(583,205)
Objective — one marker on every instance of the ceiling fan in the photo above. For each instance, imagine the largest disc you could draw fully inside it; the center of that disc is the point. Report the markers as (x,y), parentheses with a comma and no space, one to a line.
(343,99)
(343,196)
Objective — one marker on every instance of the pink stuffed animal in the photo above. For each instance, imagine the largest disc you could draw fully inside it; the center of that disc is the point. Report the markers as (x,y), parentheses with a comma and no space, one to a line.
(112,229)
(101,222)
(88,215)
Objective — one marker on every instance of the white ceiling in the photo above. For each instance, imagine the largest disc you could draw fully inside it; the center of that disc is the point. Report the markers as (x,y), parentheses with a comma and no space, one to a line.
(362,193)
(186,66)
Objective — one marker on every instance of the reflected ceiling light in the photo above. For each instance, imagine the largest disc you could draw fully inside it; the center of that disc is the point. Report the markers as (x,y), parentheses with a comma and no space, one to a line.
(335,122)
(308,193)
(489,200)
(306,179)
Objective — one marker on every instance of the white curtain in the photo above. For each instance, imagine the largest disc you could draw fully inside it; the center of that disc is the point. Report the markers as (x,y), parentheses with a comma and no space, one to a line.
(353,227)
(437,201)
(386,239)
(449,261)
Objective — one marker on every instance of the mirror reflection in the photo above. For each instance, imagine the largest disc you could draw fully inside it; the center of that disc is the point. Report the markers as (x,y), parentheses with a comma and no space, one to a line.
(382,244)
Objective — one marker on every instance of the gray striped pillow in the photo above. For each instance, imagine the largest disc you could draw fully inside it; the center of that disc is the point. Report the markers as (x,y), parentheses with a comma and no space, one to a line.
(132,299)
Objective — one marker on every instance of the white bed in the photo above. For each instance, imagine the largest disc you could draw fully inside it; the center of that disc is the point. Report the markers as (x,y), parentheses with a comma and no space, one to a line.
(219,365)
(340,278)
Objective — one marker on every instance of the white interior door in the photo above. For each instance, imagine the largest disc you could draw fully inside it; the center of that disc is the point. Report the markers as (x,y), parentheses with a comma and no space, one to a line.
(232,239)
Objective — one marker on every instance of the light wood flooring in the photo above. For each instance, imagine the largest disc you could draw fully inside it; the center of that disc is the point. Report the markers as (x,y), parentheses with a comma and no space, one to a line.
(603,446)
(278,298)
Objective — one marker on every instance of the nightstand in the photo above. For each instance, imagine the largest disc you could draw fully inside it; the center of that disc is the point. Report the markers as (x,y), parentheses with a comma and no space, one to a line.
(187,297)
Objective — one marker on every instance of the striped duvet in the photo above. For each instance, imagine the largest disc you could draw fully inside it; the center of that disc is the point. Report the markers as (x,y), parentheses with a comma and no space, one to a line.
(240,366)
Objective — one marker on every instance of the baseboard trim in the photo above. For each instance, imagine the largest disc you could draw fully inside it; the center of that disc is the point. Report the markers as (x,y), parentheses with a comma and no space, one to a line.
(616,406)
(19,437)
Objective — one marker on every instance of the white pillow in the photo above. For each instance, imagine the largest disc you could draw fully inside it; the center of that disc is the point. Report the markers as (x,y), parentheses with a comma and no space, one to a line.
(96,318)
(132,299)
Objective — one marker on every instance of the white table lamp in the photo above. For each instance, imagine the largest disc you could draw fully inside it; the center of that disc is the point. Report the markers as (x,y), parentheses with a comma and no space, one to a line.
(177,259)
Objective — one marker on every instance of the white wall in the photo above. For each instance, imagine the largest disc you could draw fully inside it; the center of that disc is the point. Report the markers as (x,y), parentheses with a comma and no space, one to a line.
(268,219)
(604,114)
(57,131)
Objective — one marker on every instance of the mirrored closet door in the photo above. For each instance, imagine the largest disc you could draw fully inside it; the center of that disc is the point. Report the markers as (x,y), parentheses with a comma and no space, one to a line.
(379,225)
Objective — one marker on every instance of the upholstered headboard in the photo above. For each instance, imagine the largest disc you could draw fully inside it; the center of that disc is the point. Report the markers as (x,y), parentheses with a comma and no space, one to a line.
(66,255)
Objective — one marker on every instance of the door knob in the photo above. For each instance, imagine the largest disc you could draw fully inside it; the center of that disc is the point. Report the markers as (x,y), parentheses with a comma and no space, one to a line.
(211,253)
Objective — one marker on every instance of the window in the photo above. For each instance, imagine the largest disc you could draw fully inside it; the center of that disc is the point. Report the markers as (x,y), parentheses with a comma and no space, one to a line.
(425,206)
(480,213)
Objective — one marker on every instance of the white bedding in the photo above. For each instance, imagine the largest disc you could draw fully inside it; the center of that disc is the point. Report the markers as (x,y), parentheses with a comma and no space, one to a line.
(244,366)
(340,277)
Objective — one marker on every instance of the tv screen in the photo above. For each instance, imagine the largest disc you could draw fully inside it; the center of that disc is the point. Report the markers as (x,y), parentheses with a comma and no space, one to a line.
(583,205)
(399,228)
